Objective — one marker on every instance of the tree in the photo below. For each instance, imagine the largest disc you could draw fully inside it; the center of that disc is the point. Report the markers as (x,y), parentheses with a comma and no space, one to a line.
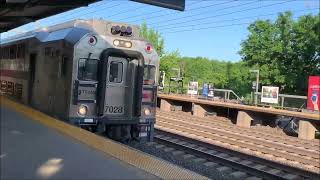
(169,61)
(154,37)
(285,51)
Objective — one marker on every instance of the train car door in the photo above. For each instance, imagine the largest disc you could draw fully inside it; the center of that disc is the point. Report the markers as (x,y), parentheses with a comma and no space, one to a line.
(117,87)
(120,85)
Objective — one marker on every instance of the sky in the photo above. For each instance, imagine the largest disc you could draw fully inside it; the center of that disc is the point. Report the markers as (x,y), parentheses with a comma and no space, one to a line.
(207,28)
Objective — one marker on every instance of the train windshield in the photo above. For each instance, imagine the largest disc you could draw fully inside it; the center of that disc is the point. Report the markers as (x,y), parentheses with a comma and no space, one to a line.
(88,69)
(149,74)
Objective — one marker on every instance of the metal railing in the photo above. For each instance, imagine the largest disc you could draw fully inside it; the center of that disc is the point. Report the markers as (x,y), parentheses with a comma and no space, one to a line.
(301,100)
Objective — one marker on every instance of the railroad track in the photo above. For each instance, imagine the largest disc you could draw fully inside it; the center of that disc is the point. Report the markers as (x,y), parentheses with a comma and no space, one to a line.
(213,133)
(228,164)
(256,132)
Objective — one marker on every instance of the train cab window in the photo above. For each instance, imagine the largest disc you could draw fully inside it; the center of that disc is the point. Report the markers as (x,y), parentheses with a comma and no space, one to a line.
(116,71)
(87,69)
(149,75)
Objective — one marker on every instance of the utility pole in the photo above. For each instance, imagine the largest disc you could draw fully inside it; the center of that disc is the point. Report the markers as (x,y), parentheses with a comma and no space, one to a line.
(257,84)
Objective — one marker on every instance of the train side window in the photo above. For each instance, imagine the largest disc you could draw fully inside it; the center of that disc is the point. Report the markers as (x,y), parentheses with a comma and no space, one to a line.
(87,69)
(149,74)
(5,53)
(47,51)
(13,52)
(116,71)
(20,51)
(63,66)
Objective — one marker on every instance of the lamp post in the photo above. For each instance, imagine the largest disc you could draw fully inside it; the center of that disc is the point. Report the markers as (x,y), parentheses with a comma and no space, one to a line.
(257,84)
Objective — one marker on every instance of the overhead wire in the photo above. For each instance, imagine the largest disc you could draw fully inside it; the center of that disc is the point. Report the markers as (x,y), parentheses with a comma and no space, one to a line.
(154,12)
(219,15)
(87,8)
(211,27)
(197,8)
(95,10)
(161,26)
(221,26)
(126,11)
(237,19)
(210,11)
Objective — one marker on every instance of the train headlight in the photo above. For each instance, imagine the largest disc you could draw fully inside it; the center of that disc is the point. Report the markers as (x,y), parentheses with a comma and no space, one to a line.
(147,111)
(116,42)
(128,44)
(82,110)
(122,43)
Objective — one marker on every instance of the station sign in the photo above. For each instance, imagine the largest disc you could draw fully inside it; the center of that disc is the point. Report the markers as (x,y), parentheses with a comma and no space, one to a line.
(313,102)
(193,88)
(270,94)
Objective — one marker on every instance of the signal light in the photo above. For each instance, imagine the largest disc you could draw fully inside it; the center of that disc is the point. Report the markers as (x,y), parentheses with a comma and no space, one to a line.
(92,40)
(149,48)
(115,30)
(123,29)
(147,96)
(129,30)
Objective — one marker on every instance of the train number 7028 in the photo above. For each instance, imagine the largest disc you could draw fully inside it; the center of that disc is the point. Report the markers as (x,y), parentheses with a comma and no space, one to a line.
(114,109)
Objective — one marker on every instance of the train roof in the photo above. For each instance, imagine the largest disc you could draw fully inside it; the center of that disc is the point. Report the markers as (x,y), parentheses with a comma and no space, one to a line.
(70,31)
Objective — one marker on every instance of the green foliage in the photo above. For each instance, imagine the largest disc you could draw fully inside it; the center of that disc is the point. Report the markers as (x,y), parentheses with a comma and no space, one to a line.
(285,51)
(222,74)
(154,37)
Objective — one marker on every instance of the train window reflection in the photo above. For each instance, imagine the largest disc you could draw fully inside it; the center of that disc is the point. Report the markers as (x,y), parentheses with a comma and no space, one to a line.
(149,74)
(116,71)
(87,69)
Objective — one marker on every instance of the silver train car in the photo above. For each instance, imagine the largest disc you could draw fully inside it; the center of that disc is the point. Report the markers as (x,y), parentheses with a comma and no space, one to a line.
(96,74)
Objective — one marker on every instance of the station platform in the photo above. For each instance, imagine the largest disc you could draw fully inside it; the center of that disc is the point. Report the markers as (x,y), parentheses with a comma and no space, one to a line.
(36,146)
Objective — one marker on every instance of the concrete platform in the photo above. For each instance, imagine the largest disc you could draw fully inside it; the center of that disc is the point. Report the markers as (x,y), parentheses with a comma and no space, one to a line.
(187,99)
(30,150)
(36,146)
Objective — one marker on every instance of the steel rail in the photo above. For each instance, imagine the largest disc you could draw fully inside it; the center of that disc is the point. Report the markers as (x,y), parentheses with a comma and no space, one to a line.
(229,162)
(218,122)
(238,143)
(236,135)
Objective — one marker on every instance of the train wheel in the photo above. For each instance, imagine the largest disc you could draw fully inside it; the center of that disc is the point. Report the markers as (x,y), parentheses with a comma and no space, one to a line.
(125,133)
(113,132)
(135,132)
(119,133)
(93,128)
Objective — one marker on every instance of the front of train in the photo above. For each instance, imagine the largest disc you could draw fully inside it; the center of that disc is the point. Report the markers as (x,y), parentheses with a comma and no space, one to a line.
(115,82)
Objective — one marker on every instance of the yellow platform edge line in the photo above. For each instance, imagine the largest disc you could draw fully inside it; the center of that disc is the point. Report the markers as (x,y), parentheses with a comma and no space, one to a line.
(148,163)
